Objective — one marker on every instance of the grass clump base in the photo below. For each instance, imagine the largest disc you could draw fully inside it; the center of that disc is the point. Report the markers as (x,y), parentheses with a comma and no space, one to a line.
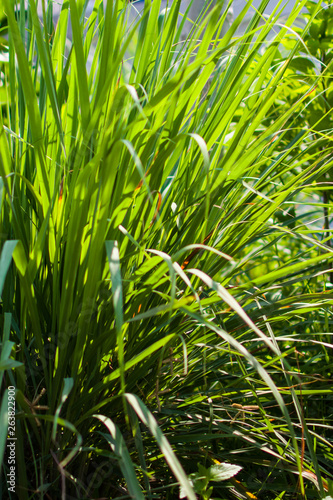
(166,255)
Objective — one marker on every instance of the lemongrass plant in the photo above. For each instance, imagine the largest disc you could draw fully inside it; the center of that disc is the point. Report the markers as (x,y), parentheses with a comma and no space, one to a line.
(154,280)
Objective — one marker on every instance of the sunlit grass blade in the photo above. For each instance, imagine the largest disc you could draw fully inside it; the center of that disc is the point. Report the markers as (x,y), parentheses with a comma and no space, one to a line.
(80,65)
(31,104)
(148,419)
(117,443)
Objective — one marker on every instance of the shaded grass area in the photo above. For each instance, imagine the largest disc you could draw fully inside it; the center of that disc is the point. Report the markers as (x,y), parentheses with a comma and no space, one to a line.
(165,309)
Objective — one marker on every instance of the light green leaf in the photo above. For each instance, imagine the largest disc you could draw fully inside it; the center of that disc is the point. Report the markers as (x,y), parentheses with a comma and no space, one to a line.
(223,471)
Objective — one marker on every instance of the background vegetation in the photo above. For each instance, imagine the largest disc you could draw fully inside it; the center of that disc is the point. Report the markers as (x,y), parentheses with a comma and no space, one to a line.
(165,270)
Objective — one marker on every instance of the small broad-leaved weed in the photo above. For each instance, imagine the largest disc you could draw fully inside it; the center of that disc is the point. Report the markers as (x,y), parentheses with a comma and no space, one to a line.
(200,480)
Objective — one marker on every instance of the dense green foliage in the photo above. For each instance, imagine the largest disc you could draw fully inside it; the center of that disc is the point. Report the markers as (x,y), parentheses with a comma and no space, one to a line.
(166,303)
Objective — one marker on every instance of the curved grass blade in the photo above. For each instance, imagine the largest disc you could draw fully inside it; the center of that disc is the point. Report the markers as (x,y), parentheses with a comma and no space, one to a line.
(118,445)
(149,420)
